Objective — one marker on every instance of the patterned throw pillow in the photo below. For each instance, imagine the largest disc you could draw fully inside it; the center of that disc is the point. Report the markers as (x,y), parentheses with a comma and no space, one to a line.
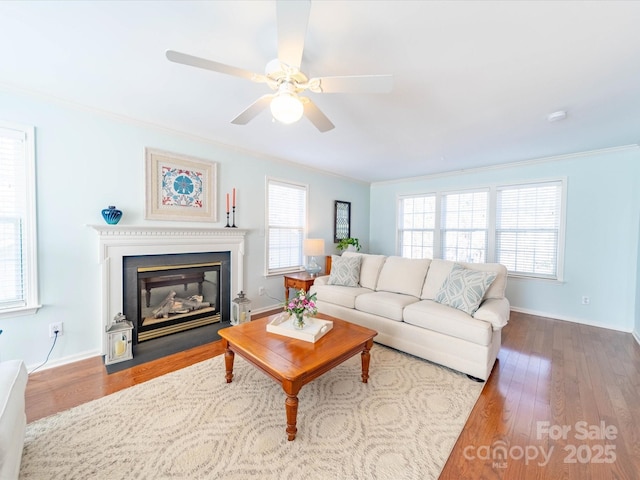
(345,271)
(463,289)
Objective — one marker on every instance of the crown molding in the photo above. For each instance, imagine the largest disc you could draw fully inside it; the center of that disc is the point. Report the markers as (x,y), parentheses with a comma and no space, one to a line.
(522,163)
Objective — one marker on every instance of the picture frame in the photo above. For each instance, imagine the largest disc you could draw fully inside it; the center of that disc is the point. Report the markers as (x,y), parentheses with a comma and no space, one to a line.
(342,220)
(180,187)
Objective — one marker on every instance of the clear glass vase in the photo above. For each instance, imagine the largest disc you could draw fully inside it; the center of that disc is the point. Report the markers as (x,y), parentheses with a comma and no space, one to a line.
(299,320)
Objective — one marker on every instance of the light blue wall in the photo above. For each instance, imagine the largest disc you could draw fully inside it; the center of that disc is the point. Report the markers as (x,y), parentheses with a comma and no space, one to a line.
(86,161)
(602,238)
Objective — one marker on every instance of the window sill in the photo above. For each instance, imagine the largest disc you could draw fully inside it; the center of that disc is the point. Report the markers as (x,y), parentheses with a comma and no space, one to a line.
(19,312)
(280,273)
(558,281)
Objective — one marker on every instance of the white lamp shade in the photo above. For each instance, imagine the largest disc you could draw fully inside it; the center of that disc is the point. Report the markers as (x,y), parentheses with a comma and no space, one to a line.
(313,247)
(286,108)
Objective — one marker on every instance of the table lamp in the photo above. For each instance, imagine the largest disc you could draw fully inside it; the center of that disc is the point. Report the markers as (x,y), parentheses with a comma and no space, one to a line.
(311,248)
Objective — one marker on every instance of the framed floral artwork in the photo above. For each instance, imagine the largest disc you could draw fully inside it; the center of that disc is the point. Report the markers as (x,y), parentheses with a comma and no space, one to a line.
(179,187)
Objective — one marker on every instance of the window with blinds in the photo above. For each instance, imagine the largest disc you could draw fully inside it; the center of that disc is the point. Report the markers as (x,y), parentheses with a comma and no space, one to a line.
(417,226)
(286,223)
(519,226)
(528,222)
(18,282)
(464,228)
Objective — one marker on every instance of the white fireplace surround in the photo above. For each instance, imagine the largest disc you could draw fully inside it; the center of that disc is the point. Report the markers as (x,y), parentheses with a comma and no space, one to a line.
(119,241)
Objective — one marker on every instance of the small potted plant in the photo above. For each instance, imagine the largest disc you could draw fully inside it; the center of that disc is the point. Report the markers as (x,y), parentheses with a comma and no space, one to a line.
(348,244)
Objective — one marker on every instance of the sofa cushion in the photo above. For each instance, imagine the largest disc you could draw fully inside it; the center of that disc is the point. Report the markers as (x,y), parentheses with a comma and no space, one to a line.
(337,294)
(345,271)
(384,304)
(369,269)
(403,275)
(448,321)
(439,270)
(464,289)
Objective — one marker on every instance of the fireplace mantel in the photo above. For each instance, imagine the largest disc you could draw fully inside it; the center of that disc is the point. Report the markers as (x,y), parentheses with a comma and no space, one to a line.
(162,231)
(118,241)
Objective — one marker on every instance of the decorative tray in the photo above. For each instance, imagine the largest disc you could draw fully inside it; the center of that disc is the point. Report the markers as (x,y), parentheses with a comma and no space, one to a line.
(313,331)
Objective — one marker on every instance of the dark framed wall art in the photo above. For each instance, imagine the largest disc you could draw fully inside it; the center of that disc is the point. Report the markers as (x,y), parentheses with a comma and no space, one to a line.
(342,220)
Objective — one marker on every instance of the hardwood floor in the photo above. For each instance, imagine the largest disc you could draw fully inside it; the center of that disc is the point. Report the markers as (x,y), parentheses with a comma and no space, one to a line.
(562,402)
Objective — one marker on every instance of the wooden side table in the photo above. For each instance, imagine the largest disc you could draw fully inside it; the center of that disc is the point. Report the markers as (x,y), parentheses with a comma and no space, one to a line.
(300,280)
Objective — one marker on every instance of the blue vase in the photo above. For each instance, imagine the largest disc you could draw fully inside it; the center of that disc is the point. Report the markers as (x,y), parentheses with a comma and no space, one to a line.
(111,215)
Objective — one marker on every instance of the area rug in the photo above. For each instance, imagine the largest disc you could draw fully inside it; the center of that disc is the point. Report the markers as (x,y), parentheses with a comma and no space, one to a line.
(191,424)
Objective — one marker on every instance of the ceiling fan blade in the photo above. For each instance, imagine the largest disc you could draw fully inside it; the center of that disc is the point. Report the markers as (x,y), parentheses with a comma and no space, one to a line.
(293,18)
(313,113)
(253,110)
(353,84)
(192,61)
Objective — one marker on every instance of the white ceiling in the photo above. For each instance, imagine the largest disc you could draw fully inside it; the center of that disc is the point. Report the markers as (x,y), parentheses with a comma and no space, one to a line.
(473,81)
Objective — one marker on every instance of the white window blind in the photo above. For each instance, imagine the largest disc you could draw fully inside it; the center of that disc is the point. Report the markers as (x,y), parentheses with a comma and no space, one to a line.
(417,226)
(464,230)
(18,283)
(286,219)
(528,228)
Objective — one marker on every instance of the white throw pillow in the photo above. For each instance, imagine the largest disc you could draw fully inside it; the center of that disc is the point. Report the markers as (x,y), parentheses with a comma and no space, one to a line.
(345,271)
(369,268)
(403,275)
(463,288)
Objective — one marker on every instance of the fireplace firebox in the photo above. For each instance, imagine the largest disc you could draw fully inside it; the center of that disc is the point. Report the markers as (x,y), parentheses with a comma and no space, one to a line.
(170,293)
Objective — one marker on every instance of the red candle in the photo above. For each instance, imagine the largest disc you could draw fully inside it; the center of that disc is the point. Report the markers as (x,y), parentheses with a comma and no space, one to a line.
(227,203)
(234,197)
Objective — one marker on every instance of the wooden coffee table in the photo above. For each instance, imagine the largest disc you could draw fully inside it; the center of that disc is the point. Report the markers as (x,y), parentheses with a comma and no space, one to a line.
(294,363)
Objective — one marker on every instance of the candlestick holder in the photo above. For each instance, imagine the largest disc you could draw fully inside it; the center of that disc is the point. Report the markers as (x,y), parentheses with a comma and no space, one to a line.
(227,225)
(233,225)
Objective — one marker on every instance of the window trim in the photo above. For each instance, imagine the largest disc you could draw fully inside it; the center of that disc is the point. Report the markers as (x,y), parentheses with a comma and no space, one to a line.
(285,270)
(562,226)
(492,221)
(30,239)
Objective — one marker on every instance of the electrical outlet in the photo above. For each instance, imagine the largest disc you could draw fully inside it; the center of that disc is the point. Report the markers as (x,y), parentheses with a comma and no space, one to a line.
(586,300)
(261,291)
(53,327)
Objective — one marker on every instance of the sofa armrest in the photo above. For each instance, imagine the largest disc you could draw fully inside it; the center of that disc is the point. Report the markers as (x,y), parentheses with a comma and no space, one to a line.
(323,280)
(495,311)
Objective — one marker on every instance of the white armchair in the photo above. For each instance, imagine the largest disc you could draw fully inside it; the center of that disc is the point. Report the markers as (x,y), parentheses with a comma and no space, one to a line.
(13,419)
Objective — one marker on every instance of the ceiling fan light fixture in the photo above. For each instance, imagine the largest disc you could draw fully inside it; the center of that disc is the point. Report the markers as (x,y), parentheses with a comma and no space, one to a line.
(286,108)
(283,75)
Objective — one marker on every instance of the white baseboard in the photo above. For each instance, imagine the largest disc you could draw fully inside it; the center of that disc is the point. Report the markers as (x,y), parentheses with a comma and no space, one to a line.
(564,318)
(96,353)
(258,311)
(65,360)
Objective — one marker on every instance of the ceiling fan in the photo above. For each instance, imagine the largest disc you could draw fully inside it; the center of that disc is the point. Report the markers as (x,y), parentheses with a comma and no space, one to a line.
(284,77)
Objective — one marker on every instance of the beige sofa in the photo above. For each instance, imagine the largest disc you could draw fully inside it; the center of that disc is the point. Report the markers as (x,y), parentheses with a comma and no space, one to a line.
(408,301)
